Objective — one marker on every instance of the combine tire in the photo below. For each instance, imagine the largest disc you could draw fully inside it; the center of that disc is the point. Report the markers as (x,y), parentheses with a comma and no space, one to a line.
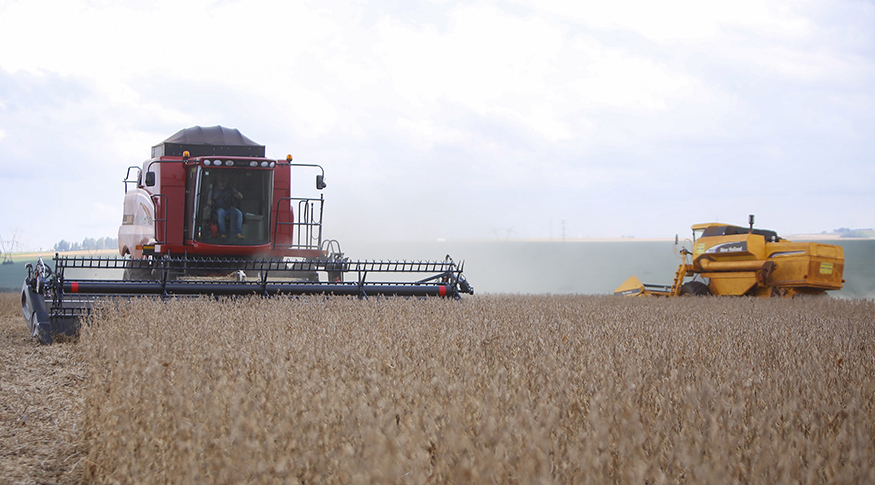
(695,288)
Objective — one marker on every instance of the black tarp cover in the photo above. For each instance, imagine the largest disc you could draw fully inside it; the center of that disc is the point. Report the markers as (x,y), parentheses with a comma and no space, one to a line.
(208,141)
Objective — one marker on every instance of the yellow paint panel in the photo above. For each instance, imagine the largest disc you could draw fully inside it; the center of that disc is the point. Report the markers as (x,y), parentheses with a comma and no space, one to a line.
(632,286)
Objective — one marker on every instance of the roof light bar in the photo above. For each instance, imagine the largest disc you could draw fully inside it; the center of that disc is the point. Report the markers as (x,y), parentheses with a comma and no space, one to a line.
(239,163)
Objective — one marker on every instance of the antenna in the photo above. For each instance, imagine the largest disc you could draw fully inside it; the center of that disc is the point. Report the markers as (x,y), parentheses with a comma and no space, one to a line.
(750,221)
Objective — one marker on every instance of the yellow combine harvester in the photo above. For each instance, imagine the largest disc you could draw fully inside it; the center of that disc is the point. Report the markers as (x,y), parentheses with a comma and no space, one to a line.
(732,260)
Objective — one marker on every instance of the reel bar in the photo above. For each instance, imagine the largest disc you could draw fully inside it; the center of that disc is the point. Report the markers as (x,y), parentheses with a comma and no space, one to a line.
(55,300)
(232,264)
(222,288)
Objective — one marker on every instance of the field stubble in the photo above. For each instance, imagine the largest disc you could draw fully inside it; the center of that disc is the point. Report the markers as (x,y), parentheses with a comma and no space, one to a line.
(40,404)
(528,389)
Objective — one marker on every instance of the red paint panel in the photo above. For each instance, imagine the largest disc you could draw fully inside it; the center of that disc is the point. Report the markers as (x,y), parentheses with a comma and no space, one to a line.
(282,177)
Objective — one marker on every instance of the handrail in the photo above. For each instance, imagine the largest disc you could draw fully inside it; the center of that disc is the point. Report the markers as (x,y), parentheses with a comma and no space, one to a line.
(163,220)
(309,224)
(128,179)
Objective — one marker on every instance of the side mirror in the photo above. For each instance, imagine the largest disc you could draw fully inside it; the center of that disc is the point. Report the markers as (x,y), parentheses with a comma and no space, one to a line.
(320,182)
(150,179)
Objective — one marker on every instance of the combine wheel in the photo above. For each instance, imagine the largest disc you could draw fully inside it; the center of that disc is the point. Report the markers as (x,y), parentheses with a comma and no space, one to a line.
(695,288)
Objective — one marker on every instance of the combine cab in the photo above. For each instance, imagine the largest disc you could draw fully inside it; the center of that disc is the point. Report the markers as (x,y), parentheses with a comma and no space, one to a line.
(174,203)
(733,260)
(208,214)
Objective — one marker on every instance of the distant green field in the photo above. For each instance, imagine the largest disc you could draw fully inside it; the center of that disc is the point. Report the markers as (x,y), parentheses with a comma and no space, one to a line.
(12,275)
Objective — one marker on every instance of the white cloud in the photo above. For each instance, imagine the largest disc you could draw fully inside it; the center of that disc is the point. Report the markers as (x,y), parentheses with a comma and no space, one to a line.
(680,20)
(425,134)
(614,78)
(498,105)
(487,61)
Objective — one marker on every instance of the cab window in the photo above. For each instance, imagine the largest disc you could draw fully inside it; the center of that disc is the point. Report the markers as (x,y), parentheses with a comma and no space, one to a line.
(241,197)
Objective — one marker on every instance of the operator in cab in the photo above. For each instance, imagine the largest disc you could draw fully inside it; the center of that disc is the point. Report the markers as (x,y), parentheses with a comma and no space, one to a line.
(225,198)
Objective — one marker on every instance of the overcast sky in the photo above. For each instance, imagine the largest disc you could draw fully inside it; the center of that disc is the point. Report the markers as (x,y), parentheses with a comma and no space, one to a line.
(444,119)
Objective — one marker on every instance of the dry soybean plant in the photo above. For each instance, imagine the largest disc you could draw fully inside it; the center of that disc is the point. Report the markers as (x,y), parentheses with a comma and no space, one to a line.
(525,389)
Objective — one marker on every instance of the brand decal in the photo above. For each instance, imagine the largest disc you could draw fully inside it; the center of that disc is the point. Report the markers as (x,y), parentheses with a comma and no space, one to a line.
(732,247)
(825,268)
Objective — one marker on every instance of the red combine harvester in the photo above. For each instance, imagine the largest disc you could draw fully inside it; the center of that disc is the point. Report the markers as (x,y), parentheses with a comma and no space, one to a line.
(208,214)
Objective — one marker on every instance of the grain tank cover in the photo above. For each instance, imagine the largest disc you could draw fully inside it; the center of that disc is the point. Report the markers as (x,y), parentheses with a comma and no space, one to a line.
(201,141)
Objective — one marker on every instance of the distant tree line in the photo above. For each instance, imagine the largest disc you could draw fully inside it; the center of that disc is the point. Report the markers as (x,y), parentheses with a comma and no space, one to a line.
(848,232)
(88,244)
